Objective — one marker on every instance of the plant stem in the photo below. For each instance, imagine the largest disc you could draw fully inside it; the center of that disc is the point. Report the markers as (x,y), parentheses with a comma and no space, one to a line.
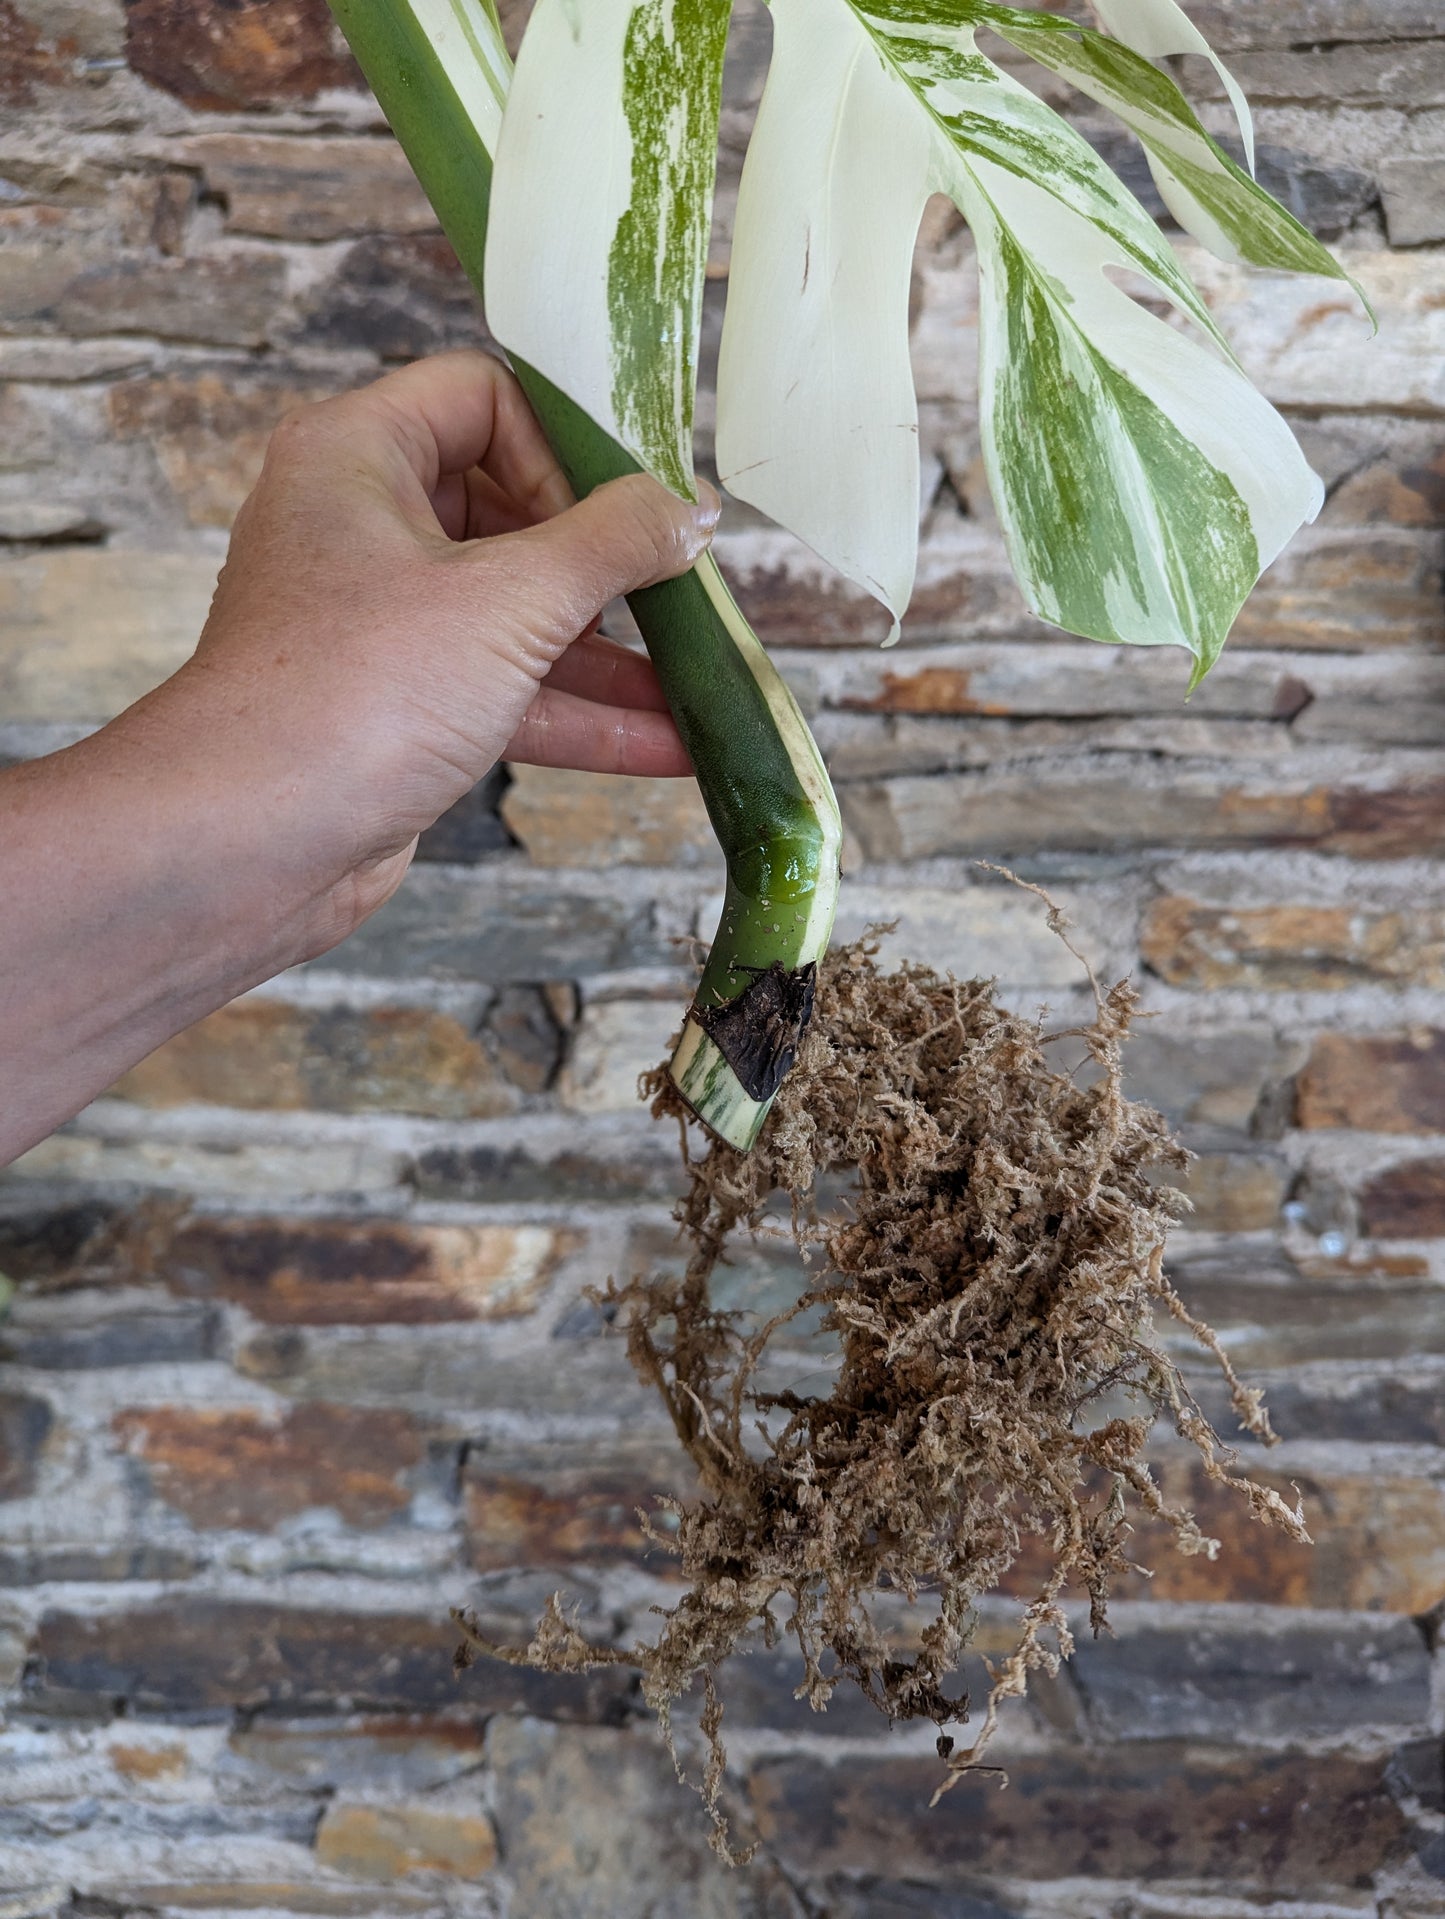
(758,767)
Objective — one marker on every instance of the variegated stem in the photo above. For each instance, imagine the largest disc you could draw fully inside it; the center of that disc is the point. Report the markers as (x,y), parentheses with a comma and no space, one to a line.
(758,767)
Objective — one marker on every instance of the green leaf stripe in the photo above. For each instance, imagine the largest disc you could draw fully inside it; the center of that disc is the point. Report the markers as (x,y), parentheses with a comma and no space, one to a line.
(672,92)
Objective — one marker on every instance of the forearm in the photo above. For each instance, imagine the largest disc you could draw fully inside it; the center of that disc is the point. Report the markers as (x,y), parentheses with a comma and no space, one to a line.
(140,889)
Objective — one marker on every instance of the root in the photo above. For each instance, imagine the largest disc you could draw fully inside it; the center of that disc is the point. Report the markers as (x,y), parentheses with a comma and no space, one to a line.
(989,1281)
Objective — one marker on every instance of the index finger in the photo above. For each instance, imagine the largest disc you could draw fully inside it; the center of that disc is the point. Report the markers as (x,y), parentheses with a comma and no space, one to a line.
(463,409)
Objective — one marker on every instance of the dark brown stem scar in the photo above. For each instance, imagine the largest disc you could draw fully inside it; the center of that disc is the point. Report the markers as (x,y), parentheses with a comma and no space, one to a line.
(759,1032)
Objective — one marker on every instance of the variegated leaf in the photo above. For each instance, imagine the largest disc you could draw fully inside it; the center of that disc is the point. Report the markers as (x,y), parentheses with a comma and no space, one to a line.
(1207,193)
(1141,481)
(1159,28)
(601,206)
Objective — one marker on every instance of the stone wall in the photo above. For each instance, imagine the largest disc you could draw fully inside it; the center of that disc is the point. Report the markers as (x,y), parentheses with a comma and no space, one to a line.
(298,1355)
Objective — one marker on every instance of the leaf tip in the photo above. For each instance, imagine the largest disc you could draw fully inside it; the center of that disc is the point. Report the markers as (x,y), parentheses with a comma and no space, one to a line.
(1202,665)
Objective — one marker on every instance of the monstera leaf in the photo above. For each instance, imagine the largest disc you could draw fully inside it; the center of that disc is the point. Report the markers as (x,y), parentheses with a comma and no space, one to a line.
(1141,480)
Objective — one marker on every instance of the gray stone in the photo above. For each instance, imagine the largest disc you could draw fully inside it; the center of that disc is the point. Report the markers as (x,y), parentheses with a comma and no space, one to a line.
(203,1657)
(1353,1401)
(41,1241)
(1229,26)
(1274,1317)
(398,296)
(900,1899)
(1094,804)
(42,1565)
(116,1327)
(397,1752)
(593,1825)
(1315,352)
(763,1276)
(1414,195)
(1290,1677)
(616,1041)
(1208,1079)
(629,1158)
(36,1902)
(458,1367)
(1388,74)
(277,1169)
(139,1822)
(457,926)
(88,630)
(1418,1769)
(470,830)
(986,932)
(231,299)
(309,188)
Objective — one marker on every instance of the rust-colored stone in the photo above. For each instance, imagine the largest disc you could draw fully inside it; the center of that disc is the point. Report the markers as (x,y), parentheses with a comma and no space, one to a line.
(1410,495)
(348,1272)
(551,1509)
(1377,1083)
(385,1843)
(259,1054)
(1233,1192)
(1394,824)
(140,1764)
(600,819)
(230,54)
(1379,1545)
(932,689)
(23,58)
(241,1469)
(1290,948)
(1406,1201)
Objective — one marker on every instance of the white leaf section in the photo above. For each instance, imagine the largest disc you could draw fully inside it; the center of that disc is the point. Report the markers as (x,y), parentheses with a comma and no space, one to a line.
(468,41)
(601,204)
(817,419)
(561,183)
(1159,28)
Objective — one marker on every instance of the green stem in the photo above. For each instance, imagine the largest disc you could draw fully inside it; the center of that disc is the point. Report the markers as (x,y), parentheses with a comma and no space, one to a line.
(758,767)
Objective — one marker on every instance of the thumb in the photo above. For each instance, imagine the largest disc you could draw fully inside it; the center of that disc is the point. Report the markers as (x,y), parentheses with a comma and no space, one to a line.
(629,533)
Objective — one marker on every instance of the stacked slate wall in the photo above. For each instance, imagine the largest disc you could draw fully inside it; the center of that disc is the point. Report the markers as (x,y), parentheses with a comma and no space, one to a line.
(298,1354)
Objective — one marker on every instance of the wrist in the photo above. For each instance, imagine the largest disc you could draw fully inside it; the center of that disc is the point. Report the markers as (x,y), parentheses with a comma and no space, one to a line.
(242,864)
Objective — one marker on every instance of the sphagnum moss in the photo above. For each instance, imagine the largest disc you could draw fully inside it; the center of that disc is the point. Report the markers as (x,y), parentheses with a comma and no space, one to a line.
(992,1276)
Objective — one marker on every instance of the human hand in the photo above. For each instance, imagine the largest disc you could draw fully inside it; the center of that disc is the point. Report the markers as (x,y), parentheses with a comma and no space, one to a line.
(409,597)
